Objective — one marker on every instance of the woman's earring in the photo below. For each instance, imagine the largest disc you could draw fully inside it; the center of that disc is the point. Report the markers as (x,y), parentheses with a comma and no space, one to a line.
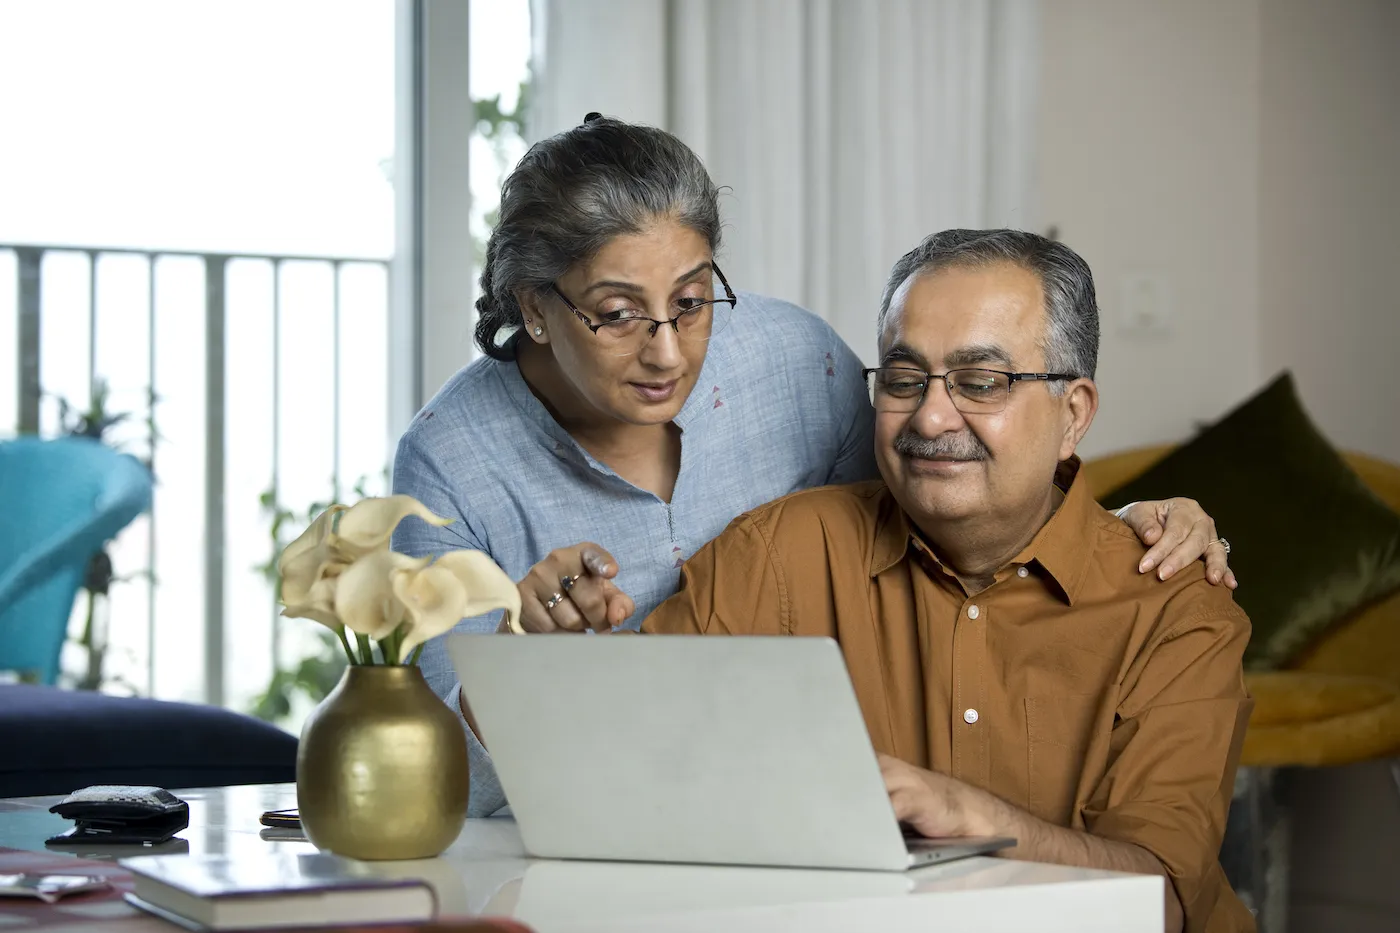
(538,330)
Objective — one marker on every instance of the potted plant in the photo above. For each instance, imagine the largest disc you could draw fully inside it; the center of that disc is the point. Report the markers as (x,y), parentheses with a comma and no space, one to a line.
(382,764)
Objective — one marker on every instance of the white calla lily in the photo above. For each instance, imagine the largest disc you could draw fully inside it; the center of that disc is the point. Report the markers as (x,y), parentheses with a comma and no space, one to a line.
(341,573)
(306,560)
(457,585)
(301,574)
(319,605)
(432,599)
(364,595)
(488,586)
(314,534)
(369,523)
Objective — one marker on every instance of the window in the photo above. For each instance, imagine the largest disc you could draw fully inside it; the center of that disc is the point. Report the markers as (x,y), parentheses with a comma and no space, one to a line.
(161,148)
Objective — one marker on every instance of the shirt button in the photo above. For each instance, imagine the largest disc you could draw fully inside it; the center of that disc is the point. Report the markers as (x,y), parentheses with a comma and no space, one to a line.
(969,716)
(973,612)
(1022,572)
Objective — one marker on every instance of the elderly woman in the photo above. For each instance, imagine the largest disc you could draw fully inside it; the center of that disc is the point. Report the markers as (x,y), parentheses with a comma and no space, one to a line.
(630,403)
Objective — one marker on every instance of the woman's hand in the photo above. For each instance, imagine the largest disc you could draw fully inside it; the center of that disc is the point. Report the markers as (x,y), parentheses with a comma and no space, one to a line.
(572,590)
(1179,532)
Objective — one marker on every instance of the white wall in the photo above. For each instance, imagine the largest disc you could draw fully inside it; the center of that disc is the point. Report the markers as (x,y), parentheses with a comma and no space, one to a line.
(1329,212)
(1148,166)
(1244,155)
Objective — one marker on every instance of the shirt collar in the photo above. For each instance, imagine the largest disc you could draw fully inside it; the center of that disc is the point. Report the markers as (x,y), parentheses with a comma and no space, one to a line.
(1061,548)
(524,400)
(892,536)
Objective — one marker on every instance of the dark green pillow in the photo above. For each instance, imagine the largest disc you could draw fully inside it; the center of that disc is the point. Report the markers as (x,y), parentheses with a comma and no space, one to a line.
(1310,542)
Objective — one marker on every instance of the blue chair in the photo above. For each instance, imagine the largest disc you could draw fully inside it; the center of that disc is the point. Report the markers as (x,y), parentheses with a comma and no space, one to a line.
(60,502)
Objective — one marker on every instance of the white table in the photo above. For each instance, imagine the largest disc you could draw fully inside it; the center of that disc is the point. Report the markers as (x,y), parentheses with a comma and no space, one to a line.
(486,871)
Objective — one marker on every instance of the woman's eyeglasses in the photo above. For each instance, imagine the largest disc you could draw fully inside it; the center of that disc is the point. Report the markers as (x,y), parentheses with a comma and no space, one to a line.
(625,332)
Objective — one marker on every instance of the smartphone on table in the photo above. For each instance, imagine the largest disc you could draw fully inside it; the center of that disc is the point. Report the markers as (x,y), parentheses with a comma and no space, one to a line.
(282,819)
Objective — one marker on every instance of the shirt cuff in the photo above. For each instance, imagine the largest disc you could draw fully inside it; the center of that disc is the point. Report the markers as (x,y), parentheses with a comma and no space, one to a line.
(1124,510)
(487,797)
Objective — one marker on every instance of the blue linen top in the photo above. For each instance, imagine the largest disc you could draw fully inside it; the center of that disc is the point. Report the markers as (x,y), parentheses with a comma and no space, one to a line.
(780,406)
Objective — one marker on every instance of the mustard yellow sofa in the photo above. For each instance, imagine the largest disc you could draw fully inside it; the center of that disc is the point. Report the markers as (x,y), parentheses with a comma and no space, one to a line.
(1340,702)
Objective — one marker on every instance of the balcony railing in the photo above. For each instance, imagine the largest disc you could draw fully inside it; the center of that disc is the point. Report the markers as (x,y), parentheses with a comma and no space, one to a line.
(249,374)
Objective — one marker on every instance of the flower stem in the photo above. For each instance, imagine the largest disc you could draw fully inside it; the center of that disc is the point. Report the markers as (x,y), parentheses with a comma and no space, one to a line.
(345,643)
(366,652)
(389,647)
(413,658)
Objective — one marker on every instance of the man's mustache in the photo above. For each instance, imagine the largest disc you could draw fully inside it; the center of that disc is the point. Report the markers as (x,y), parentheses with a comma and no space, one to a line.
(946,446)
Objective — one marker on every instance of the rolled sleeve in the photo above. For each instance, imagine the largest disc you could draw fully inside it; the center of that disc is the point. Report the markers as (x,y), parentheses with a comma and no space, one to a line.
(1174,749)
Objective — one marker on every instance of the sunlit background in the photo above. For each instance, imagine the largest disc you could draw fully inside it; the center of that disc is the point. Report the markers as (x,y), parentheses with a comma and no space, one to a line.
(261,129)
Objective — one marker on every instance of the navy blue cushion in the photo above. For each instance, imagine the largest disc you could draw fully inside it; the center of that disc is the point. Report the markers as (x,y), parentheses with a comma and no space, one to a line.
(55,741)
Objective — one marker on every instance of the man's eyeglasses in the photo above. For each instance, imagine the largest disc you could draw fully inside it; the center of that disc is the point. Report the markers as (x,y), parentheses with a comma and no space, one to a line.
(901,389)
(624,332)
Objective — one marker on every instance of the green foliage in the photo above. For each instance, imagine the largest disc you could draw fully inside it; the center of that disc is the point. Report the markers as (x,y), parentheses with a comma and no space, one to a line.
(313,676)
(494,123)
(497,126)
(94,423)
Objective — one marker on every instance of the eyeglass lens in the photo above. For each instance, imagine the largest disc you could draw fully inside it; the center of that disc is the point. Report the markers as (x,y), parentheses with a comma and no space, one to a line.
(973,391)
(692,325)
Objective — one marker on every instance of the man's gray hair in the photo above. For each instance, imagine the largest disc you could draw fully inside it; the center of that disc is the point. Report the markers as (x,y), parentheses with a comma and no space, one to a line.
(1071,342)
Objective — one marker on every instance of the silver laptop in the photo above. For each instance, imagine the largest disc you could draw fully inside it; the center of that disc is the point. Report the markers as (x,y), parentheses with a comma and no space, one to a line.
(738,751)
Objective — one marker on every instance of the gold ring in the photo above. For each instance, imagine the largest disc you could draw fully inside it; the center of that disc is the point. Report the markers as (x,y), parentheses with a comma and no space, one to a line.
(554,600)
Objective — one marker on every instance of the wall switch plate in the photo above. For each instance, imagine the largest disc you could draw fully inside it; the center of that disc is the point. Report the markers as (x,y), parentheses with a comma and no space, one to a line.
(1144,306)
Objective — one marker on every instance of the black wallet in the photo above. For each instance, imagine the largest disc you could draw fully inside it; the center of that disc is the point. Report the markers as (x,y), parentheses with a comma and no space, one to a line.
(121,814)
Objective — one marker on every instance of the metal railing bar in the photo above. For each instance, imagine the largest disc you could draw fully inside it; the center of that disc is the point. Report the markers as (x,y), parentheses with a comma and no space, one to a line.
(92,320)
(276,443)
(151,462)
(283,257)
(335,382)
(215,320)
(28,260)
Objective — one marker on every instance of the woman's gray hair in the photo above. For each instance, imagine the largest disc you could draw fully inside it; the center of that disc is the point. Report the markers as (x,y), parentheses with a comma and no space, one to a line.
(570,195)
(1071,342)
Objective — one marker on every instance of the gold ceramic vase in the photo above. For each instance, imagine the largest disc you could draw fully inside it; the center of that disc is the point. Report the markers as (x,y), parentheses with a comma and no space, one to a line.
(382,767)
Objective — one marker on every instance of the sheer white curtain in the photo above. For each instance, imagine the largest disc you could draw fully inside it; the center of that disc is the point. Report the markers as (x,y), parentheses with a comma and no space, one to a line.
(843,131)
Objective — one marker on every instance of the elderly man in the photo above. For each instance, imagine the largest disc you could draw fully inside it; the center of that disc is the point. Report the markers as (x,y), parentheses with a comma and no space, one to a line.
(1015,673)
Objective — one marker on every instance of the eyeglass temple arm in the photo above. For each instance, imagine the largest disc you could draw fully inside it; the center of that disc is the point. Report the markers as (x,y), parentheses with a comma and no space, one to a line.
(729,292)
(1037,377)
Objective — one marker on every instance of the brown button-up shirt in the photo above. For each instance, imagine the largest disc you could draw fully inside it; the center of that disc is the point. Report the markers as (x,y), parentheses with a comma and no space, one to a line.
(1074,687)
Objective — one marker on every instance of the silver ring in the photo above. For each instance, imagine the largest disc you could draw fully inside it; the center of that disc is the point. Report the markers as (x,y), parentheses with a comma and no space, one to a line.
(1224,544)
(566,583)
(554,600)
